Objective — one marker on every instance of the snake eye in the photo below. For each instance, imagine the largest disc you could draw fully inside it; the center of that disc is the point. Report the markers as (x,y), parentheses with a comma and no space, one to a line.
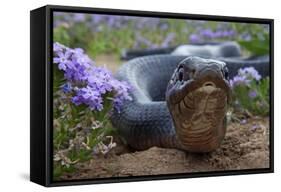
(180,74)
(225,72)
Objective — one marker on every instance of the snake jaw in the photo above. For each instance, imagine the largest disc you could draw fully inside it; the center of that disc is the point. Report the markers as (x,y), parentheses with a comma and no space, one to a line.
(198,105)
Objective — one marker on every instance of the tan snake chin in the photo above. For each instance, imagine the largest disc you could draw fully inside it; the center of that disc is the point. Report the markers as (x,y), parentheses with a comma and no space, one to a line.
(199,118)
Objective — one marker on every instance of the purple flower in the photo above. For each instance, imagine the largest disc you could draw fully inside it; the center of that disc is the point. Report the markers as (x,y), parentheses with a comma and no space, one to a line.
(243,122)
(57,47)
(239,80)
(219,33)
(88,96)
(122,93)
(245,76)
(110,21)
(255,127)
(66,87)
(229,33)
(77,100)
(62,59)
(250,72)
(97,18)
(194,38)
(252,94)
(208,33)
(79,17)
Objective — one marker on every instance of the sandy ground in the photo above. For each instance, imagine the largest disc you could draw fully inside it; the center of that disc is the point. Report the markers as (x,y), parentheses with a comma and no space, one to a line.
(246,146)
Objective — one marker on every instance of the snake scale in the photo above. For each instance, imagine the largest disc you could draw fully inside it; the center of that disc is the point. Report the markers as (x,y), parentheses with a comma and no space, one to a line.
(180,101)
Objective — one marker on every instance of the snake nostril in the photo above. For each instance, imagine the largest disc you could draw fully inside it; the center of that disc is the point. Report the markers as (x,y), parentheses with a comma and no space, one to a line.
(209,84)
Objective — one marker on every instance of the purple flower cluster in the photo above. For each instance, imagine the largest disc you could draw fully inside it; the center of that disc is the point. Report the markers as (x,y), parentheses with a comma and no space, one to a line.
(209,34)
(239,80)
(97,21)
(194,38)
(201,33)
(245,76)
(87,82)
(250,73)
(140,40)
(252,94)
(73,62)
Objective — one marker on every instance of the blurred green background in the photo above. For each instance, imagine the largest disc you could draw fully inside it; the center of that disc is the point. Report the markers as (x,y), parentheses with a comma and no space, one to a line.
(107,35)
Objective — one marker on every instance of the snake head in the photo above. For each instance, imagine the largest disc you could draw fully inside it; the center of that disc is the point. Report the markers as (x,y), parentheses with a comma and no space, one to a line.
(195,72)
(197,97)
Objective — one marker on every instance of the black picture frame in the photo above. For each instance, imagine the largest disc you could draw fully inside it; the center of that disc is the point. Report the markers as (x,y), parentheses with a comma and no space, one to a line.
(41,38)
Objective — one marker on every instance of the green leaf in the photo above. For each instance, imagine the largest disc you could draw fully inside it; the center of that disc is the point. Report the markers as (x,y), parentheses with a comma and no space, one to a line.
(256,47)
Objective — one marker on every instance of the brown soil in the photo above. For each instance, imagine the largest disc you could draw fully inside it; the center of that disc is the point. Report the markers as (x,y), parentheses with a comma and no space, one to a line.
(244,147)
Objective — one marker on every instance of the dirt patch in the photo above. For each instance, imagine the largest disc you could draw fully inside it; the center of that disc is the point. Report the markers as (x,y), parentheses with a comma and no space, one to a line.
(246,146)
(112,62)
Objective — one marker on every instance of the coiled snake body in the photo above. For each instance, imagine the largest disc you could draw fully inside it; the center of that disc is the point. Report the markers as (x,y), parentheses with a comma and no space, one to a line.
(178,101)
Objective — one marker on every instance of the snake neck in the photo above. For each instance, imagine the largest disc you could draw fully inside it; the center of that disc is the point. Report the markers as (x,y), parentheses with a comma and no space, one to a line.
(199,120)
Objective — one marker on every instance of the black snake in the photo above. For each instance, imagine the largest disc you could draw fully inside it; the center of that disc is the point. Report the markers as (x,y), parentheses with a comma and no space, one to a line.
(180,101)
